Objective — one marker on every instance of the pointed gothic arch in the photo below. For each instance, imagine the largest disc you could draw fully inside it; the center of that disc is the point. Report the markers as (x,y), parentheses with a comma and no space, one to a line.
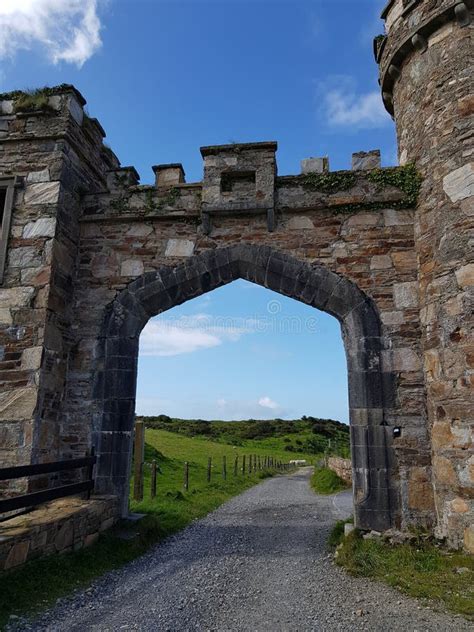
(371,390)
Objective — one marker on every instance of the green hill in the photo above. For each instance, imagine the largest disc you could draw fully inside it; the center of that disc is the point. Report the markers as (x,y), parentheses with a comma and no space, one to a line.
(308,436)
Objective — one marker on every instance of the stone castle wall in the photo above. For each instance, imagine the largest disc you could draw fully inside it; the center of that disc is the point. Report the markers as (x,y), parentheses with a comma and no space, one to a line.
(426,71)
(342,467)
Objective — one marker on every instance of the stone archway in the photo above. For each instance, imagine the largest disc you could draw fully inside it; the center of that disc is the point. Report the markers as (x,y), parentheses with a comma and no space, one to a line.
(371,391)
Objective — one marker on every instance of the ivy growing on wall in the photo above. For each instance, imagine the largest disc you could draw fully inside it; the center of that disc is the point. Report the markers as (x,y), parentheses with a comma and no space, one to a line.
(405,178)
(329,182)
(153,206)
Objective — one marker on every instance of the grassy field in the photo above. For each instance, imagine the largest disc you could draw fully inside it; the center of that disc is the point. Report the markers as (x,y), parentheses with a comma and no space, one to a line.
(421,568)
(38,584)
(325,481)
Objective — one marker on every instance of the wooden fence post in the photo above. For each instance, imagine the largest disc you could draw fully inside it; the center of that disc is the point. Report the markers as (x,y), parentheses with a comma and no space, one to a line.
(153,479)
(186,475)
(138,456)
(209,469)
(236,465)
(243,464)
(224,468)
(250,464)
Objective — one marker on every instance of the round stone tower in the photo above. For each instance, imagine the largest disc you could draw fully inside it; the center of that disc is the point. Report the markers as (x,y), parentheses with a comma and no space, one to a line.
(426,76)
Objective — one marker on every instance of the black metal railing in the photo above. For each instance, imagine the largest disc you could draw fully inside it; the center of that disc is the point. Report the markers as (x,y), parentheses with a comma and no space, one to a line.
(45,495)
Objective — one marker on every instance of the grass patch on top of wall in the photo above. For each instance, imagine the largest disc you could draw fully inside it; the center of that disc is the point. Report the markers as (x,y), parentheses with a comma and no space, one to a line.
(325,481)
(420,568)
(38,584)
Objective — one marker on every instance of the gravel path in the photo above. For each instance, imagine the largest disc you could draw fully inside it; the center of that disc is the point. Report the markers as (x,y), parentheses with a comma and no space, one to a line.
(258,563)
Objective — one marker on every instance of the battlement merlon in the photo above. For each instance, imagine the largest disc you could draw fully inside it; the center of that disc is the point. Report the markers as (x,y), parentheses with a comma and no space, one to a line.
(413,25)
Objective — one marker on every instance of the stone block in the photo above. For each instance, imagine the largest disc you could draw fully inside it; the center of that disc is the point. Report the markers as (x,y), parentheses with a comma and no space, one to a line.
(381,262)
(364,160)
(466,105)
(363,219)
(107,524)
(444,472)
(18,404)
(179,248)
(18,555)
(395,217)
(31,358)
(76,110)
(42,193)
(401,360)
(169,175)
(405,295)
(38,176)
(65,536)
(132,267)
(465,276)
(459,184)
(5,316)
(91,539)
(42,227)
(299,222)
(315,165)
(16,297)
(459,505)
(24,257)
(469,539)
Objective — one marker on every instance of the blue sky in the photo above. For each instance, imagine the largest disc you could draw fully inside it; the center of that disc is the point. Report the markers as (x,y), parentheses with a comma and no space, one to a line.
(167,76)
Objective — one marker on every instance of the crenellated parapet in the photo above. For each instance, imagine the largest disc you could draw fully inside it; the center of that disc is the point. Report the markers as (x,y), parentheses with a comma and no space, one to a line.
(241,180)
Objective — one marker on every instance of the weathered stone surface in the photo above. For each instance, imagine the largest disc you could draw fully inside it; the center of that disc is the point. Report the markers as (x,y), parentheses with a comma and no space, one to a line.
(38,176)
(381,262)
(366,160)
(179,248)
(459,184)
(16,297)
(405,294)
(465,276)
(76,110)
(42,227)
(469,539)
(17,555)
(132,267)
(42,193)
(23,257)
(299,223)
(315,165)
(18,404)
(58,526)
(31,358)
(65,536)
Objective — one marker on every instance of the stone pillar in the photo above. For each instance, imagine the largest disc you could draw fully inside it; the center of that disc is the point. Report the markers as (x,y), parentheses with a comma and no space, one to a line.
(426,63)
(54,152)
(169,175)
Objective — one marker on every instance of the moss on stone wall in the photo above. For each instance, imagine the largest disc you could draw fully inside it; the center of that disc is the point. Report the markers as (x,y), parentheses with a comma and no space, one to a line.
(406,179)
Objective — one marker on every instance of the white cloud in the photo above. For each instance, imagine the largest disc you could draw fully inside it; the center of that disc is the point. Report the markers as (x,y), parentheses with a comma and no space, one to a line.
(266,402)
(235,409)
(343,106)
(161,337)
(68,30)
